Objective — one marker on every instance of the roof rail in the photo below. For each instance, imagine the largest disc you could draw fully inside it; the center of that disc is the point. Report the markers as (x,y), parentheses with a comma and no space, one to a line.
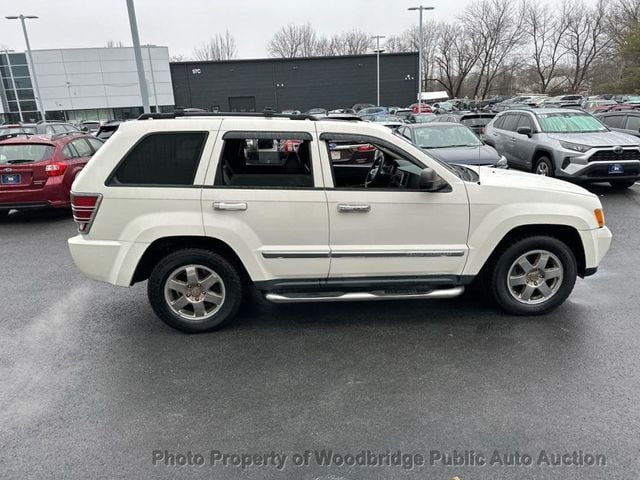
(56,136)
(266,113)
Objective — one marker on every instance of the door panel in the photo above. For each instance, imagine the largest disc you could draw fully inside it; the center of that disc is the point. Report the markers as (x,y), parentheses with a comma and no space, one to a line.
(280,233)
(390,233)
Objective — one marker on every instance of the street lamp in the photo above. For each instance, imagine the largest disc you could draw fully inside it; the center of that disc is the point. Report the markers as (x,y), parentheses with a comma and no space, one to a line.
(378,37)
(144,92)
(22,18)
(13,83)
(420,9)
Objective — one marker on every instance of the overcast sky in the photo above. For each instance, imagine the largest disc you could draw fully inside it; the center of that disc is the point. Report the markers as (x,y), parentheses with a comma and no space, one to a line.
(183,24)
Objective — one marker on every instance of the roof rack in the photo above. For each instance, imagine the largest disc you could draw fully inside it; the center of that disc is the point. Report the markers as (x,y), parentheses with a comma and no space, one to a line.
(56,136)
(266,113)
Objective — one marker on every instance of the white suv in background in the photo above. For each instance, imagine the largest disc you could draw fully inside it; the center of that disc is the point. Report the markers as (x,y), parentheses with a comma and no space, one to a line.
(201,205)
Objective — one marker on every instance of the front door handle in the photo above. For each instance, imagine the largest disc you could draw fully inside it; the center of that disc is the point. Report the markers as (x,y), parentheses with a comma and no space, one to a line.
(346,208)
(230,206)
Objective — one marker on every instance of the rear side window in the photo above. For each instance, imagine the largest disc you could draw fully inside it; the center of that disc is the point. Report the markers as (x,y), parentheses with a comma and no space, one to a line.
(265,160)
(161,159)
(499,121)
(510,122)
(633,123)
(613,121)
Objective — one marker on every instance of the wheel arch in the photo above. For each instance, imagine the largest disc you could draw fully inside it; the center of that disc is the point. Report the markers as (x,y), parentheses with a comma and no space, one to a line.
(541,152)
(565,233)
(166,245)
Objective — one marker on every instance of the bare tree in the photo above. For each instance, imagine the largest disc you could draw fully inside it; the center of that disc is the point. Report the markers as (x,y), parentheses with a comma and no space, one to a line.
(180,57)
(586,40)
(294,41)
(496,28)
(455,57)
(220,47)
(545,31)
(114,44)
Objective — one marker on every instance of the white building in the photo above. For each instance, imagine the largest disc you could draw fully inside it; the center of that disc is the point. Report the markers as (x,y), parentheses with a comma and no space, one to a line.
(85,83)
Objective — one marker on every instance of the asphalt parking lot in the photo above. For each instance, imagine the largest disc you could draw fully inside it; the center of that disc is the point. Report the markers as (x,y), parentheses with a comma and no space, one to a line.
(92,383)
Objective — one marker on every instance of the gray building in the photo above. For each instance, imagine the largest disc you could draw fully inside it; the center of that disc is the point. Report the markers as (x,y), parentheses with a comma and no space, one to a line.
(83,83)
(295,83)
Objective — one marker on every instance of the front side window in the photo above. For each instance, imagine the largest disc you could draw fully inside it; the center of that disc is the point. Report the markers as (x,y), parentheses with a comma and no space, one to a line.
(83,148)
(169,158)
(614,121)
(570,122)
(357,164)
(265,160)
(633,123)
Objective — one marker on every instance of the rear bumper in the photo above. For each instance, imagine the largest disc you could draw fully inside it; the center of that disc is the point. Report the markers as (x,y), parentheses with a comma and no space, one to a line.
(52,194)
(113,262)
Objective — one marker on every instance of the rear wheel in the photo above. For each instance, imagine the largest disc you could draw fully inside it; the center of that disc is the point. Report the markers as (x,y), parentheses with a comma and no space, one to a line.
(4,214)
(543,167)
(194,290)
(533,275)
(621,184)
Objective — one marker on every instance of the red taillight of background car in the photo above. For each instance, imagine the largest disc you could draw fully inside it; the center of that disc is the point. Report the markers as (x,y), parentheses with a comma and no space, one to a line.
(366,148)
(55,169)
(84,207)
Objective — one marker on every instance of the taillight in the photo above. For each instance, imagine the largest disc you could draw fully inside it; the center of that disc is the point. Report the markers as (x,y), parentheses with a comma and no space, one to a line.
(55,169)
(366,148)
(84,207)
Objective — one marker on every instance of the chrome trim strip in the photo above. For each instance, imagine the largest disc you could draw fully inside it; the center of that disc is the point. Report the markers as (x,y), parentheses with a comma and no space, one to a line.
(372,254)
(410,253)
(359,296)
(290,254)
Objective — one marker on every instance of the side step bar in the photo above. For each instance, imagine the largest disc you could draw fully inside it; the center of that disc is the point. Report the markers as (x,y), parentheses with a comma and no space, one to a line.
(359,296)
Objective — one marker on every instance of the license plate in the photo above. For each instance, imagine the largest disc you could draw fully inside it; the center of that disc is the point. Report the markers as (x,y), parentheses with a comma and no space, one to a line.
(10,179)
(616,169)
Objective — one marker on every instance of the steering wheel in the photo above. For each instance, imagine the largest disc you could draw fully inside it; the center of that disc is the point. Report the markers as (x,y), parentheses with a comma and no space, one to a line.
(375,172)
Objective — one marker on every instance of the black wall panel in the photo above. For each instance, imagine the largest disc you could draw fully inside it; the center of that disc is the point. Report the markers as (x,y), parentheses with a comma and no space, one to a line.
(302,83)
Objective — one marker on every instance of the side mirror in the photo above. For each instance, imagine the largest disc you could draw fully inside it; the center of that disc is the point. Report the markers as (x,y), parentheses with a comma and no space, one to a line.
(430,181)
(525,131)
(502,163)
(84,129)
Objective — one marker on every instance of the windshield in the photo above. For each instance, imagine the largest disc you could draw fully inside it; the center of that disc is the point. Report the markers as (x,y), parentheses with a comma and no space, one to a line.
(25,153)
(570,122)
(445,137)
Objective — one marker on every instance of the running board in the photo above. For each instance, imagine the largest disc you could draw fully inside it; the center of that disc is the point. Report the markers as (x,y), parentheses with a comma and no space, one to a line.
(306,297)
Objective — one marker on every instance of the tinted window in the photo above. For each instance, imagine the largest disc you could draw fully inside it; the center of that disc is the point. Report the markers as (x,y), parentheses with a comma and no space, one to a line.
(83,148)
(614,121)
(161,159)
(69,151)
(510,122)
(525,121)
(95,143)
(633,123)
(266,162)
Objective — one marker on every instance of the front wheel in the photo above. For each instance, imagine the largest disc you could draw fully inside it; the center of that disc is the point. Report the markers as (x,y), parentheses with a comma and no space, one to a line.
(543,167)
(533,275)
(194,290)
(621,184)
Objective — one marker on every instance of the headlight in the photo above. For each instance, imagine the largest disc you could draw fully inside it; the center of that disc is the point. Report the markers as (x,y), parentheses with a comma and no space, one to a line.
(575,147)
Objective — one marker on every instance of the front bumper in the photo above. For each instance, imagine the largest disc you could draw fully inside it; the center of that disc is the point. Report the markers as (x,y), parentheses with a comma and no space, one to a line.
(596,244)
(593,166)
(108,261)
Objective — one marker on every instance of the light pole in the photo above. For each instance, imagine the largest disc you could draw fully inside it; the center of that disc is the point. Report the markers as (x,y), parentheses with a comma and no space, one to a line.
(153,80)
(31,64)
(13,83)
(420,9)
(378,37)
(138,54)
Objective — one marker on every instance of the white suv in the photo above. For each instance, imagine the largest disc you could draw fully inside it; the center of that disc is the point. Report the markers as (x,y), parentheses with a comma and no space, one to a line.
(308,210)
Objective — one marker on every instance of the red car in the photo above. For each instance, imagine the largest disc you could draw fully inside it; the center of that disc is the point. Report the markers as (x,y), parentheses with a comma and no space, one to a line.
(37,171)
(421,108)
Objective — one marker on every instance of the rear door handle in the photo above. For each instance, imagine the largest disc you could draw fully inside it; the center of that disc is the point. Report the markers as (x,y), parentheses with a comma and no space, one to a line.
(230,206)
(346,208)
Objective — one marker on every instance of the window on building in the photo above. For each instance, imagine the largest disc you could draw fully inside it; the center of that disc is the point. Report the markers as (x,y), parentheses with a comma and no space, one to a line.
(264,160)
(161,159)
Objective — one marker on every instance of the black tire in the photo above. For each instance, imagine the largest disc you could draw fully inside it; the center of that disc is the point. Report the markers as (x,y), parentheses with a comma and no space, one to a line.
(4,214)
(231,288)
(621,184)
(498,274)
(543,163)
